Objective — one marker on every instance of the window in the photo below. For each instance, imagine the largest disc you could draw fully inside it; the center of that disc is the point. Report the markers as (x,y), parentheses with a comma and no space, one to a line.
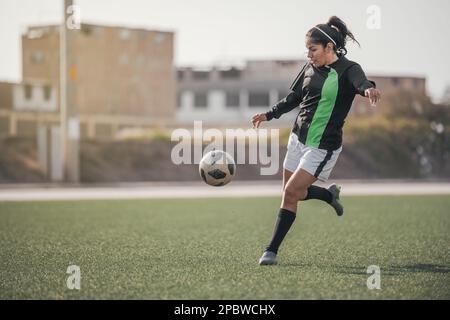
(28,92)
(37,57)
(232,99)
(286,63)
(35,34)
(159,37)
(200,75)
(86,30)
(124,34)
(97,31)
(233,73)
(179,95)
(200,100)
(47,92)
(142,35)
(258,99)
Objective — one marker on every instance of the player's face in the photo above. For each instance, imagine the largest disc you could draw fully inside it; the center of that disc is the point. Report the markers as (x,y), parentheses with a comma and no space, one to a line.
(317,54)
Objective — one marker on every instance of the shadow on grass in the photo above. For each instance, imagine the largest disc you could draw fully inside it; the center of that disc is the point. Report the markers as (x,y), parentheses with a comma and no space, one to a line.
(389,270)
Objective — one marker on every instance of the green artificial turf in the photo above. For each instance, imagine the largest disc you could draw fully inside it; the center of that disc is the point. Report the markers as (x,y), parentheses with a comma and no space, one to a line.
(209,248)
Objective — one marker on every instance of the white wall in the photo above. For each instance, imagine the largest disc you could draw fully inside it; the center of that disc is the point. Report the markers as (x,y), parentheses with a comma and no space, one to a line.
(36,102)
(217,112)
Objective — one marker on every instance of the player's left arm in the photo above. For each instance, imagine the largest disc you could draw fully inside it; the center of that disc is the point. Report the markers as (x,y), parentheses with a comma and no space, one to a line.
(362,85)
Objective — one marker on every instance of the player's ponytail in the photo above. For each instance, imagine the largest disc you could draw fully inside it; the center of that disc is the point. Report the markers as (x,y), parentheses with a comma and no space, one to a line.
(334,31)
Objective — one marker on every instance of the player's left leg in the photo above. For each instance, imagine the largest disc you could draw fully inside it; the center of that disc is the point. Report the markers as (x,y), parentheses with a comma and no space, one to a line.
(288,210)
(320,163)
(296,185)
(296,189)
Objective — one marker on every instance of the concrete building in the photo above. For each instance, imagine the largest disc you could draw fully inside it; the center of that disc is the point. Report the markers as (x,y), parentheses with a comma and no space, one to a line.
(123,76)
(388,85)
(120,77)
(24,106)
(120,71)
(233,95)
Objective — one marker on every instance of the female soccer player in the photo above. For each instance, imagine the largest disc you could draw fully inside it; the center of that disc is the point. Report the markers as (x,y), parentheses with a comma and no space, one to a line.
(324,89)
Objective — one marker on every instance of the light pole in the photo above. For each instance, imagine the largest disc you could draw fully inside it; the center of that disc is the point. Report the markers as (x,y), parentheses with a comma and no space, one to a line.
(70,127)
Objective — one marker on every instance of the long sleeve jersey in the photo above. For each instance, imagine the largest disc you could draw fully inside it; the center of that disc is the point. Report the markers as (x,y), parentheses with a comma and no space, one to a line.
(325,95)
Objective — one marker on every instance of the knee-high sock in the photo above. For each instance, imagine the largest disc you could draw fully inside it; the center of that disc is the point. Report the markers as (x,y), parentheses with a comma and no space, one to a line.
(284,222)
(315,192)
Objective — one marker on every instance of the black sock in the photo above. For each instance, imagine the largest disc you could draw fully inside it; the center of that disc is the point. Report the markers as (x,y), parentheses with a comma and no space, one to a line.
(282,226)
(315,192)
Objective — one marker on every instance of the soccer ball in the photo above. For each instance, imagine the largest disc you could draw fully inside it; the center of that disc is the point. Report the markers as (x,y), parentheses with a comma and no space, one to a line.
(217,168)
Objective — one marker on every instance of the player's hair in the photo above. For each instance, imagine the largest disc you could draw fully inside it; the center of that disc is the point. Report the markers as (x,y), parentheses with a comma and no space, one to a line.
(334,31)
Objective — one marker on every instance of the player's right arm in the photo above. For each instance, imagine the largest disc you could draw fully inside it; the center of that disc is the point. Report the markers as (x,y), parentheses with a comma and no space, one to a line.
(287,104)
(291,101)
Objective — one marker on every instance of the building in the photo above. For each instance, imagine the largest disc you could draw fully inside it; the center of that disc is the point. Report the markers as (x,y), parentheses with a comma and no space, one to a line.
(123,77)
(24,106)
(388,85)
(120,77)
(233,95)
(119,70)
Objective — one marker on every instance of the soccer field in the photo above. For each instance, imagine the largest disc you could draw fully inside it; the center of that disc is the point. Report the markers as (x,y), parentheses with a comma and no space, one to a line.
(209,248)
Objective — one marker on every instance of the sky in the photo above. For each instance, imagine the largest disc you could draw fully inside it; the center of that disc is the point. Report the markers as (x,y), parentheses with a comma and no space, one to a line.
(412,38)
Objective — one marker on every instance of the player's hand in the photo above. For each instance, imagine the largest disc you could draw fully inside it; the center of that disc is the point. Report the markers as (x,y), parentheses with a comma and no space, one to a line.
(374,96)
(257,119)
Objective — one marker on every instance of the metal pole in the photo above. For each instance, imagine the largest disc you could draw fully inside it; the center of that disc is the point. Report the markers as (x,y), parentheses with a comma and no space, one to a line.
(68,109)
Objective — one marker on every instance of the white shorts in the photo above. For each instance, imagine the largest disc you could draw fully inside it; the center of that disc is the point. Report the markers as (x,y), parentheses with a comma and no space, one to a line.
(317,162)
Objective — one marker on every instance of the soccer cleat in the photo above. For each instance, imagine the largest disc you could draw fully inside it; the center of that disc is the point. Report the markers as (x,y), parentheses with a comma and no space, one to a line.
(335,202)
(268,258)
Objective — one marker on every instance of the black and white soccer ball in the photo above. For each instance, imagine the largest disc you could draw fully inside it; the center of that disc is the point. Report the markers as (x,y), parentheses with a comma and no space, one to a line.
(217,168)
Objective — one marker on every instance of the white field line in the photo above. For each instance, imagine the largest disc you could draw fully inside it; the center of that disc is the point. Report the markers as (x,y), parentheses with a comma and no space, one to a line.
(197,190)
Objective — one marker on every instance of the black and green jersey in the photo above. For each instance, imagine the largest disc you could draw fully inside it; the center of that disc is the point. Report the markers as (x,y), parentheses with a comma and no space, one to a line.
(325,95)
